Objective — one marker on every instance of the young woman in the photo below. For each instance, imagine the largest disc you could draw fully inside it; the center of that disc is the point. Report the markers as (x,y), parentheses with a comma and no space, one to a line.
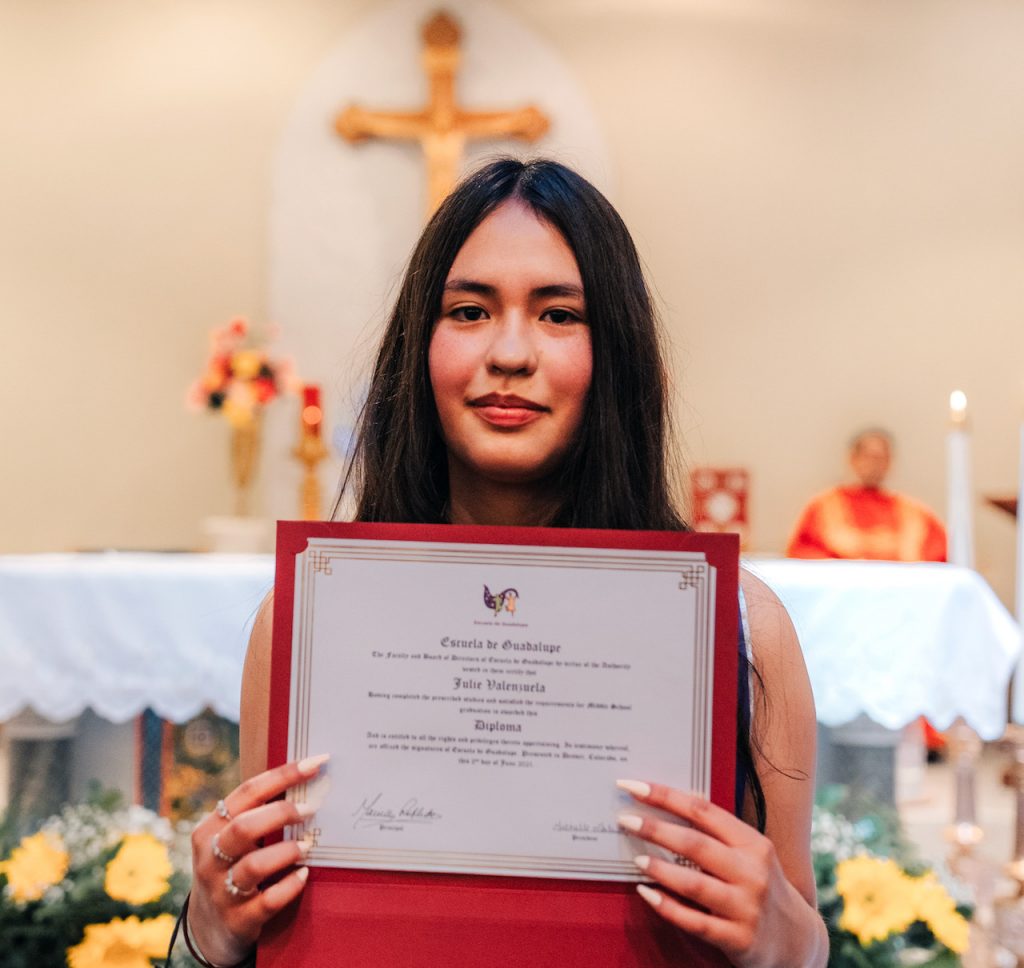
(520,382)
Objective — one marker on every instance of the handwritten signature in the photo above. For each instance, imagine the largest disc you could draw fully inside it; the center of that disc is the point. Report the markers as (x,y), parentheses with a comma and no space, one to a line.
(373,812)
(582,827)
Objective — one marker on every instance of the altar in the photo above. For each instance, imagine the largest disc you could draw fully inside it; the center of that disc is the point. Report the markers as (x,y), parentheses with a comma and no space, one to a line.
(102,652)
(90,642)
(886,643)
(894,641)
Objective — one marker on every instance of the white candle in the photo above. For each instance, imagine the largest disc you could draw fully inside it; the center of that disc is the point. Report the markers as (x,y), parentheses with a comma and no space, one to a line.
(958,408)
(960,513)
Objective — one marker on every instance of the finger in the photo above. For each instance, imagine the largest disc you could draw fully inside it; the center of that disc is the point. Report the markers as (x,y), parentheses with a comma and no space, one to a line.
(243,833)
(272,783)
(709,892)
(245,917)
(717,931)
(260,865)
(712,856)
(696,810)
(280,894)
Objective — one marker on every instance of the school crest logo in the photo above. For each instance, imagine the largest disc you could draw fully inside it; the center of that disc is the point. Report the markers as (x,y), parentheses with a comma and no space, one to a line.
(502,602)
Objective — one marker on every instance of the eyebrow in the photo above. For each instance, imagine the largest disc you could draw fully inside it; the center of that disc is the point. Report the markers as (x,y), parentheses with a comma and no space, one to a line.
(564,289)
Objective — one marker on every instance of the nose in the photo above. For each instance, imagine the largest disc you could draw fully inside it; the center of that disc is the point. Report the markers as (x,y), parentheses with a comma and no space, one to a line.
(513,348)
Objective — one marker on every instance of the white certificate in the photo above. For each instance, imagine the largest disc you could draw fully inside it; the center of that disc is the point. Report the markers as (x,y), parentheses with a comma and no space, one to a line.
(480,701)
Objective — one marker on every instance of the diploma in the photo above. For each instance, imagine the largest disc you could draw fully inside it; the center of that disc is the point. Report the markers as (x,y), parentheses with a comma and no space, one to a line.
(481,690)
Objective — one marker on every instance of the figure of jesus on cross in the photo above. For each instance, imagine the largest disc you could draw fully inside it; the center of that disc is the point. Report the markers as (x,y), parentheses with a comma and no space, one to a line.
(442,127)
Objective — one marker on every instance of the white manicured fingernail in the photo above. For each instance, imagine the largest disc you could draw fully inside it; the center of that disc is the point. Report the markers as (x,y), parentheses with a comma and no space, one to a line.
(316,790)
(311,764)
(303,873)
(651,896)
(630,821)
(305,810)
(642,861)
(304,848)
(637,787)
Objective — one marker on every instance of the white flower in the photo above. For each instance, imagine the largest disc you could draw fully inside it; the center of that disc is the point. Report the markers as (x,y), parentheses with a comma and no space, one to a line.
(835,835)
(87,832)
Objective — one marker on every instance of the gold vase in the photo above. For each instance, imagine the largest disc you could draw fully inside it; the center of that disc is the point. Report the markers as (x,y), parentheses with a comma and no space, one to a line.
(245,455)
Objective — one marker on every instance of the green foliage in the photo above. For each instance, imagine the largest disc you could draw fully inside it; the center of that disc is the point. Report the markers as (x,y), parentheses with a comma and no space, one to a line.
(37,933)
(847,823)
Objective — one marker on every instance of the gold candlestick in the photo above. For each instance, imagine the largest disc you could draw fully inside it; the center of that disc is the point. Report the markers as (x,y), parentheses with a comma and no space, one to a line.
(310,451)
(964,750)
(245,453)
(1008,910)
(1013,777)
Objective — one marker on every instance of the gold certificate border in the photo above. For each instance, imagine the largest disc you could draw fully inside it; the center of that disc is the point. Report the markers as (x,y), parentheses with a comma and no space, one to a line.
(693,571)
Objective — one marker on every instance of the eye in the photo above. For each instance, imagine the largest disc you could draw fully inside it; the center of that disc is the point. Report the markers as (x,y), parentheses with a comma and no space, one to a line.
(561,316)
(468,314)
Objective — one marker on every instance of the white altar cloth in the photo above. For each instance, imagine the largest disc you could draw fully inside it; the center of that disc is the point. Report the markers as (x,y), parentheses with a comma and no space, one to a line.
(121,632)
(897,641)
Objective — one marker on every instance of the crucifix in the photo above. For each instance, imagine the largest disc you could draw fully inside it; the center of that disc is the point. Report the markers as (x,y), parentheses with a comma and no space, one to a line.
(442,127)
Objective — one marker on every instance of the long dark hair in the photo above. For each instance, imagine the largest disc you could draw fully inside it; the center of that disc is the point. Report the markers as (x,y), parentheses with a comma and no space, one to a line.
(616,474)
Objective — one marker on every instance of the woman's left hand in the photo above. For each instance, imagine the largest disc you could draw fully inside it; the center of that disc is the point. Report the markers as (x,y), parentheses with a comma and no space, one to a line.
(746,906)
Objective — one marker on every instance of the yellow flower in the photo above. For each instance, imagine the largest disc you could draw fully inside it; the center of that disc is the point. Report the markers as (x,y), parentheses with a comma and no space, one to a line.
(246,364)
(938,910)
(139,871)
(37,863)
(878,898)
(123,943)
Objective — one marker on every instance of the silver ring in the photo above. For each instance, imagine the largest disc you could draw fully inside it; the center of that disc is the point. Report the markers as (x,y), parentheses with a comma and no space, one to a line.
(218,853)
(222,810)
(233,889)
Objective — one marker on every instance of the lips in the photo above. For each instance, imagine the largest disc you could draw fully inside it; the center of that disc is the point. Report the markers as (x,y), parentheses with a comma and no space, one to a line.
(507,410)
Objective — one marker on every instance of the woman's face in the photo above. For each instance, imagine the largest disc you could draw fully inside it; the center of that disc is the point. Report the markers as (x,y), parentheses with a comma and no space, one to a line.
(510,355)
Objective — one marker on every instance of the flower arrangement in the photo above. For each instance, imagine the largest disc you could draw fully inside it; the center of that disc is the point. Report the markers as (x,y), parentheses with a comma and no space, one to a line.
(883,908)
(101,884)
(239,379)
(98,884)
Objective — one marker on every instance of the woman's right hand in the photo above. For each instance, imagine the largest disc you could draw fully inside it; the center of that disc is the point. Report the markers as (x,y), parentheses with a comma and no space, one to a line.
(227,909)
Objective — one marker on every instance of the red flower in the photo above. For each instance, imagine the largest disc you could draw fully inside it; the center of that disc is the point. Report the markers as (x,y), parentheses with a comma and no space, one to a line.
(264,389)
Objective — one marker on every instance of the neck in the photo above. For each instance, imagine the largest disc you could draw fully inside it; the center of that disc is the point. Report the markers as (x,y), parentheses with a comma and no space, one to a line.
(498,504)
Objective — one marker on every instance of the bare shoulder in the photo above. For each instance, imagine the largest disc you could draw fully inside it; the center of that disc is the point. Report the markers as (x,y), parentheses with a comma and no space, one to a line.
(773,638)
(788,706)
(255,712)
(784,730)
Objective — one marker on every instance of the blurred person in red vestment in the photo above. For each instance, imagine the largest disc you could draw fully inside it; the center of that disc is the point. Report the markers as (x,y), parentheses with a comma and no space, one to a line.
(864,520)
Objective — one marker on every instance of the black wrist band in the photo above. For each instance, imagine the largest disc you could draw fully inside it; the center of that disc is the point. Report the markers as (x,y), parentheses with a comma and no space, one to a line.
(249,961)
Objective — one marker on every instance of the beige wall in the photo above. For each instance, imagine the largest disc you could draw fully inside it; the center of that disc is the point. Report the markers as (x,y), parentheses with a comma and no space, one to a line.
(828,195)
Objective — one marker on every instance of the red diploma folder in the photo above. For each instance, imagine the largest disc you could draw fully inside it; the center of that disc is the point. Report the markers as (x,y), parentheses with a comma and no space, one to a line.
(389,919)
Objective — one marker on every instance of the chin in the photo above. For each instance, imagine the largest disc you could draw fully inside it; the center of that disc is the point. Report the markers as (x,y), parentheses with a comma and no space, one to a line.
(504,466)
(503,472)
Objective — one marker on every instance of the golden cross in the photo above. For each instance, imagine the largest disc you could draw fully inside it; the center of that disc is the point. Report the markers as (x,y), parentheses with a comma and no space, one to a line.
(442,127)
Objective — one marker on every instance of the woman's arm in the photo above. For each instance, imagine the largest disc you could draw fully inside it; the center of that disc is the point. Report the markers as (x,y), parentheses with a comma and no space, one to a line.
(784,734)
(255,713)
(226,922)
(757,891)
